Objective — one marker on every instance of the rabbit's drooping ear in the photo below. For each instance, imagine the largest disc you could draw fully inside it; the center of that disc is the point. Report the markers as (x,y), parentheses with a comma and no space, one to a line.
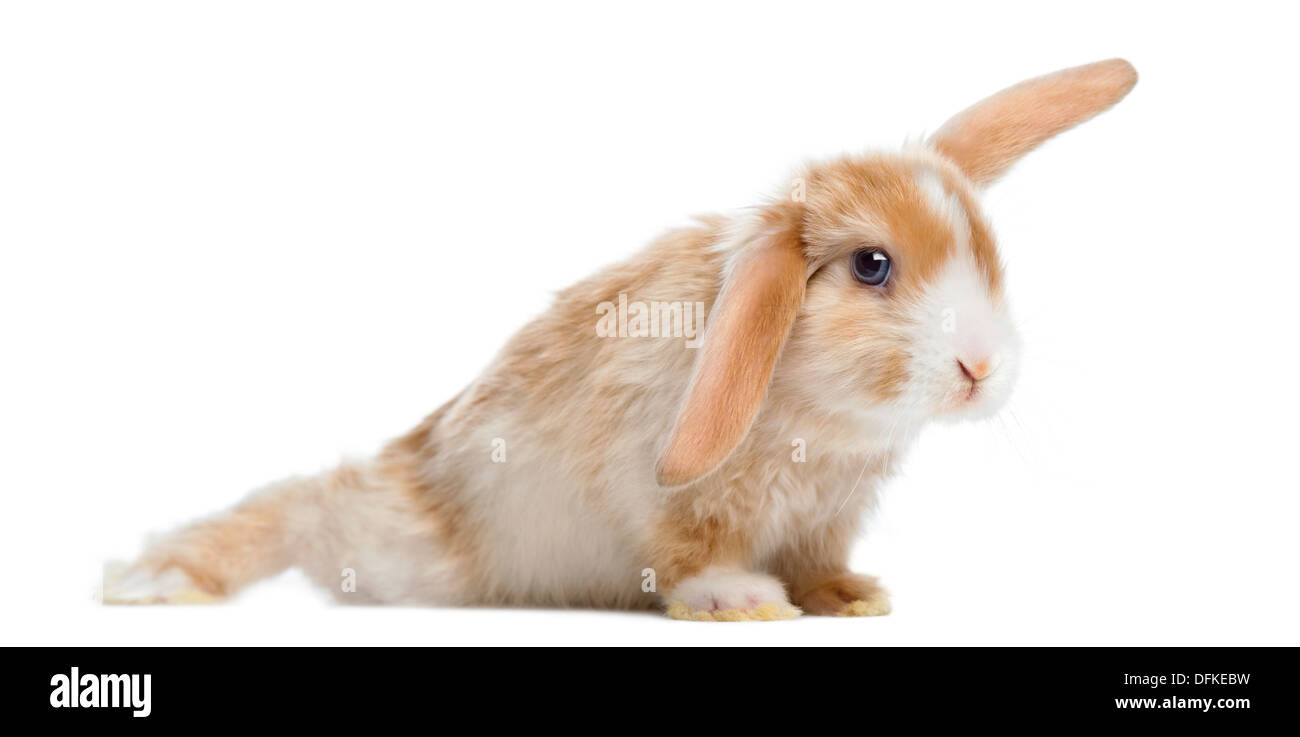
(988,137)
(746,327)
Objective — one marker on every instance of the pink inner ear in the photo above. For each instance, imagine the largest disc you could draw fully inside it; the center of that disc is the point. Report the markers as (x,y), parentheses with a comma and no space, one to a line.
(746,329)
(987,138)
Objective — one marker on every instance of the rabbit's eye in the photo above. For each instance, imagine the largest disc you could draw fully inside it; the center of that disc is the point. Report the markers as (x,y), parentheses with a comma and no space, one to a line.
(871,266)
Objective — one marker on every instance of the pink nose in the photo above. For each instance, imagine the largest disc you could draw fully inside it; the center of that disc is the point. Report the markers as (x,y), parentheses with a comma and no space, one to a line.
(976,370)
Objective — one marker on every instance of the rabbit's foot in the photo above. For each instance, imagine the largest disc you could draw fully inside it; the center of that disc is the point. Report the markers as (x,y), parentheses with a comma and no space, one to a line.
(730,595)
(845,595)
(138,585)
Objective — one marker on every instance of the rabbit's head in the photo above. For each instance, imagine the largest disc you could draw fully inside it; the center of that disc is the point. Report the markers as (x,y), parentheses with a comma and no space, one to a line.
(905,313)
(877,281)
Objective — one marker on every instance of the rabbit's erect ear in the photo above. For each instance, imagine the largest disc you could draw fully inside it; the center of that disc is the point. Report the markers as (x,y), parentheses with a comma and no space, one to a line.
(988,137)
(746,327)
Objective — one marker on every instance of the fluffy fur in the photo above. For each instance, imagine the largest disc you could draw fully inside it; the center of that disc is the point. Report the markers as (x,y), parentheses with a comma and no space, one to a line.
(736,472)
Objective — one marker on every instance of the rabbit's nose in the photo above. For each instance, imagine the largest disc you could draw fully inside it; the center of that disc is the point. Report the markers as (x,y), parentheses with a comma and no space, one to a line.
(975,370)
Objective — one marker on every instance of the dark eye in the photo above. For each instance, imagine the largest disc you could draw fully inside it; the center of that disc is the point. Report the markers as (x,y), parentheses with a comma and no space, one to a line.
(871,266)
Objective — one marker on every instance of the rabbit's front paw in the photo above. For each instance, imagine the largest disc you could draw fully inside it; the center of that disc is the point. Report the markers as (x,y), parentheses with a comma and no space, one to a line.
(845,595)
(730,595)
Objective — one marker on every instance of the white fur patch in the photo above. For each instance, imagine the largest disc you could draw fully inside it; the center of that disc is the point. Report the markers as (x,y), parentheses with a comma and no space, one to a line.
(123,585)
(958,320)
(722,589)
(946,205)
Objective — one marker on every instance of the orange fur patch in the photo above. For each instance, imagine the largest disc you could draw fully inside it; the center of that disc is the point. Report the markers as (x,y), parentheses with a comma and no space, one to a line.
(988,137)
(843,594)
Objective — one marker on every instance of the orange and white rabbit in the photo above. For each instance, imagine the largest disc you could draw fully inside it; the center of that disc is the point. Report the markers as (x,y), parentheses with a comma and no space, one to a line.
(734,475)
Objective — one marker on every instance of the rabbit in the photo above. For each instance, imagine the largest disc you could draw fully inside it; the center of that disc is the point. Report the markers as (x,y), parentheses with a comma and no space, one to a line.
(611,459)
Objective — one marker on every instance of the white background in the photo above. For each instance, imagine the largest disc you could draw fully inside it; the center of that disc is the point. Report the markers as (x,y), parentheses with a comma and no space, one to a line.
(243,240)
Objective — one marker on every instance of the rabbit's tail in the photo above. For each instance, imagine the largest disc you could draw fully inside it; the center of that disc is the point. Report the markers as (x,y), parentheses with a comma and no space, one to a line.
(215,557)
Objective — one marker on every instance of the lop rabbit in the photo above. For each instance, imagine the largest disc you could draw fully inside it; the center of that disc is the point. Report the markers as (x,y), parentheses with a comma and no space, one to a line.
(610,445)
